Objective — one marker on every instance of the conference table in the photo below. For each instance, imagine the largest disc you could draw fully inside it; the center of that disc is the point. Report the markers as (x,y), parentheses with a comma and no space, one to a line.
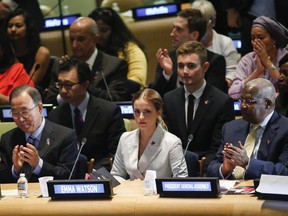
(129,199)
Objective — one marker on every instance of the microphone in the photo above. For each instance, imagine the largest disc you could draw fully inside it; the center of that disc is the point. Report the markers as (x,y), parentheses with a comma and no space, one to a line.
(106,85)
(83,142)
(190,138)
(35,69)
(285,165)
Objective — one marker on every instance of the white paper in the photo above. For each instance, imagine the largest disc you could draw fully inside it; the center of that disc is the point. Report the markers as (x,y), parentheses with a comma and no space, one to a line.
(273,184)
(9,192)
(227,184)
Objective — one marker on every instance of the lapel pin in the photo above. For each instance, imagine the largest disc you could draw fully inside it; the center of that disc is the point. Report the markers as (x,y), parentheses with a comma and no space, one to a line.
(268,142)
(153,143)
(206,102)
(48,141)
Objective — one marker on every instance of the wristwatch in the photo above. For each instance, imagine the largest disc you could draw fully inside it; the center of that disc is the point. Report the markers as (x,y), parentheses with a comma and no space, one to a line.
(270,69)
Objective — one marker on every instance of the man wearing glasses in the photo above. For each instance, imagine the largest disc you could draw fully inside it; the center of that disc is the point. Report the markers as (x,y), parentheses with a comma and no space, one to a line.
(37,146)
(256,144)
(97,120)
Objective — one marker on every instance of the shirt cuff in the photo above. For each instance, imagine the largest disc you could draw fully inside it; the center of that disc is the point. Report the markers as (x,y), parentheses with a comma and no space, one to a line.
(221,174)
(167,77)
(38,168)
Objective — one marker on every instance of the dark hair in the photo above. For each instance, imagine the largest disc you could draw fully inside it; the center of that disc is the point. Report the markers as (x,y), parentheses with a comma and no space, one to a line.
(283,60)
(196,21)
(83,71)
(8,58)
(193,47)
(32,92)
(120,34)
(32,31)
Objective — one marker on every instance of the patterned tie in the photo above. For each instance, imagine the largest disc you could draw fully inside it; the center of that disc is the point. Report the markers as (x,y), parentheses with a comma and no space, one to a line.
(78,121)
(249,147)
(32,140)
(190,112)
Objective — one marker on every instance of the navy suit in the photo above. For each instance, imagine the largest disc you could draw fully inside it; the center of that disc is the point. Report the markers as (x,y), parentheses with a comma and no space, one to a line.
(102,128)
(57,148)
(215,75)
(272,153)
(115,72)
(215,109)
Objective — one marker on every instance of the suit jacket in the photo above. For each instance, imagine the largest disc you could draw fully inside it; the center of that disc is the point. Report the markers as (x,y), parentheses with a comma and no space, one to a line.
(272,153)
(115,72)
(102,128)
(215,75)
(215,108)
(163,154)
(57,148)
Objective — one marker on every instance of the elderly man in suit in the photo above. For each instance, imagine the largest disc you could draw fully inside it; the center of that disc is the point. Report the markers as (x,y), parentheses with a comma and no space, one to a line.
(109,73)
(256,144)
(99,121)
(196,108)
(190,25)
(37,146)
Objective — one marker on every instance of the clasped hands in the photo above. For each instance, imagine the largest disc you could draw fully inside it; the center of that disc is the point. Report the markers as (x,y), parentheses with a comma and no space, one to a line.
(23,154)
(233,156)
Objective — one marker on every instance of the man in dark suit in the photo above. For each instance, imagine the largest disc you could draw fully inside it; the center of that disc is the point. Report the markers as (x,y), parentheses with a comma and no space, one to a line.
(83,35)
(190,25)
(207,112)
(101,122)
(269,152)
(37,146)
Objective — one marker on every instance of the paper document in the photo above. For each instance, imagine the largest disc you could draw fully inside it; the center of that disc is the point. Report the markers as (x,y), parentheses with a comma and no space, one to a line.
(273,184)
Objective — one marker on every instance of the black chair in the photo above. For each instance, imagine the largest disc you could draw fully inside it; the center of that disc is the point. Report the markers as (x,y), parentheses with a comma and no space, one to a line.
(81,167)
(192,163)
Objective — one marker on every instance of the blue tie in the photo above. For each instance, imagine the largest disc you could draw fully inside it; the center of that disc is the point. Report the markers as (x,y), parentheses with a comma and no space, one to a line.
(32,140)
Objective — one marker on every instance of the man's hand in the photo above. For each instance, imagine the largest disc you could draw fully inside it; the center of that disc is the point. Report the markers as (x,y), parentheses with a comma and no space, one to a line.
(30,155)
(17,158)
(233,18)
(4,9)
(165,61)
(236,155)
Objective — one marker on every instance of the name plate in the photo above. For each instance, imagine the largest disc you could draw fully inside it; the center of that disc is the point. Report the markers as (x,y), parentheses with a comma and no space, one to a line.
(79,189)
(188,187)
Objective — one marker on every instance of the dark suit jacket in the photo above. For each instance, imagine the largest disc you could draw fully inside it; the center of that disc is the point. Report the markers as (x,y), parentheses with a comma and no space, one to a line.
(215,109)
(115,72)
(272,153)
(215,75)
(57,148)
(102,128)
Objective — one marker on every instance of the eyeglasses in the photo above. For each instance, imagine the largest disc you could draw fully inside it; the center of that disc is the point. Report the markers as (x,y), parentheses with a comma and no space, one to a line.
(68,86)
(100,14)
(24,113)
(145,113)
(250,102)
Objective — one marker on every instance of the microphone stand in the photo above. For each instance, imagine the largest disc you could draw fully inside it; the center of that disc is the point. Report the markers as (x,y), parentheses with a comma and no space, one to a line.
(62,27)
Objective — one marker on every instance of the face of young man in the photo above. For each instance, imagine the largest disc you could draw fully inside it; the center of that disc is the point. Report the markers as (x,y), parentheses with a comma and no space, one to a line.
(190,70)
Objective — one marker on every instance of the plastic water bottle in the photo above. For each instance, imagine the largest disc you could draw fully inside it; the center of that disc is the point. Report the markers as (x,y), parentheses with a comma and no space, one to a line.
(66,10)
(22,185)
(115,7)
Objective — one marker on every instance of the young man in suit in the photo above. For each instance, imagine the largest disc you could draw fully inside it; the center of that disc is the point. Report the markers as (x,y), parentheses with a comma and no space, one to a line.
(83,34)
(209,108)
(268,152)
(37,146)
(190,25)
(101,122)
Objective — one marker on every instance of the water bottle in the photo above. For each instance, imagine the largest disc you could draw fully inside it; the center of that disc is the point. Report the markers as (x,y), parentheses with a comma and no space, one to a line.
(115,7)
(22,185)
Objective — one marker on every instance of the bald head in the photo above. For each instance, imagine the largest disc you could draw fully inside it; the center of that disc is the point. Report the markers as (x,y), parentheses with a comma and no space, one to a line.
(86,22)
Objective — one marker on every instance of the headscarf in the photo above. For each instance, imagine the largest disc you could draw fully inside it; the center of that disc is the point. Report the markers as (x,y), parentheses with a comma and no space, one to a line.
(274,28)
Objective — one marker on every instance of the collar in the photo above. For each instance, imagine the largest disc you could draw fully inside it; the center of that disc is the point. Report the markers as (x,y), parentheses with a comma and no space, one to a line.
(266,120)
(37,134)
(198,93)
(82,106)
(92,58)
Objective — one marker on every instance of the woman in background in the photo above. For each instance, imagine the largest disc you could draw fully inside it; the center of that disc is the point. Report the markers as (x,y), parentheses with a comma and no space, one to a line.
(25,38)
(269,41)
(12,73)
(150,147)
(116,39)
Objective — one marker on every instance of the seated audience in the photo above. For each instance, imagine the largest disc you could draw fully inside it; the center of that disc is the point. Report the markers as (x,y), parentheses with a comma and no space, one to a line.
(215,42)
(116,39)
(190,25)
(197,108)
(12,73)
(109,73)
(281,103)
(269,39)
(36,147)
(100,121)
(150,147)
(256,144)
(25,38)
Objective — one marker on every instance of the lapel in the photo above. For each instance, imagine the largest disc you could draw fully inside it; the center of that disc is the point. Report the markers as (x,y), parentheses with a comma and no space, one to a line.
(180,108)
(152,149)
(206,101)
(91,116)
(65,114)
(47,139)
(97,68)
